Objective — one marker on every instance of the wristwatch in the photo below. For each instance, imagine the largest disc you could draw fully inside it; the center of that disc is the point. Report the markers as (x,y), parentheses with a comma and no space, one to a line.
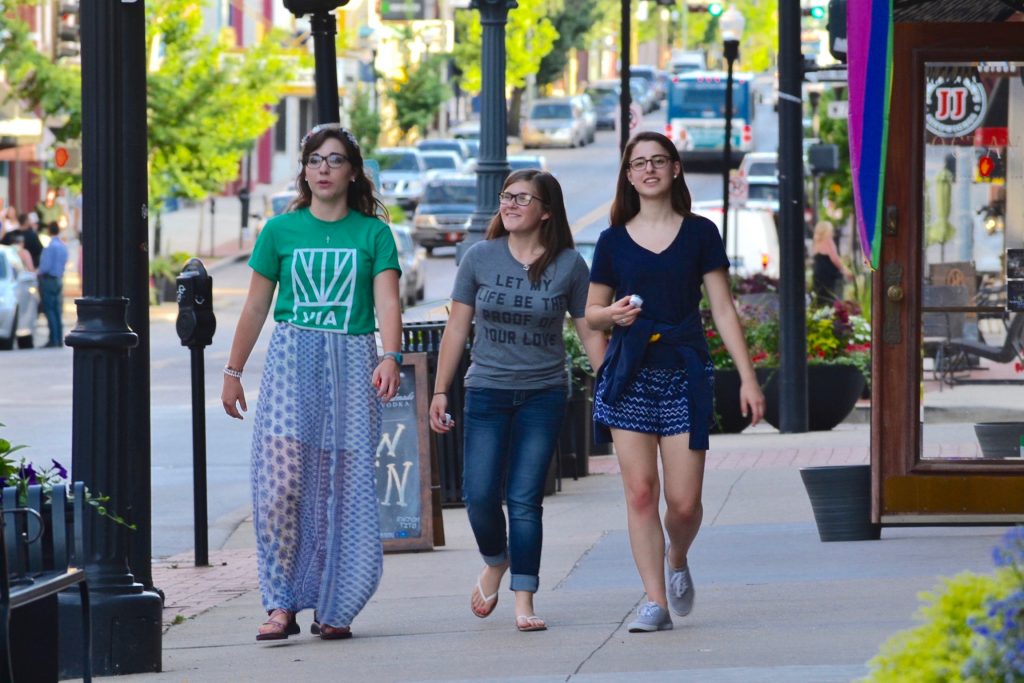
(393,354)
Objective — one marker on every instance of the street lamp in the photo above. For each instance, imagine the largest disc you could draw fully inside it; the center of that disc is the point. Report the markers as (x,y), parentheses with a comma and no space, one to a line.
(324,28)
(492,167)
(731,25)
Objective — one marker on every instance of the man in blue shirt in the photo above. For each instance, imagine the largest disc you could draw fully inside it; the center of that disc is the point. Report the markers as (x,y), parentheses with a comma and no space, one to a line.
(51,283)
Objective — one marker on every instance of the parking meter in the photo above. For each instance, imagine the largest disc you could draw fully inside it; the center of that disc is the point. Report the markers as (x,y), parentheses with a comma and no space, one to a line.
(196,322)
(195,326)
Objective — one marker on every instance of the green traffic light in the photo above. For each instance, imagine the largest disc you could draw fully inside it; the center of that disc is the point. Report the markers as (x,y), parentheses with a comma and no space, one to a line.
(818,12)
(715,9)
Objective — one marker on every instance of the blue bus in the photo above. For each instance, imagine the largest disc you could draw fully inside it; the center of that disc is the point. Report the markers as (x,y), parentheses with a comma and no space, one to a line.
(696,115)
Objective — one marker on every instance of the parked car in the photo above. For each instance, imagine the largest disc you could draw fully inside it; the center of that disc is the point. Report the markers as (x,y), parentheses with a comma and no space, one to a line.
(280,201)
(586,103)
(445,145)
(402,174)
(443,215)
(441,161)
(412,284)
(19,301)
(557,121)
(643,93)
(605,95)
(652,75)
(467,130)
(753,240)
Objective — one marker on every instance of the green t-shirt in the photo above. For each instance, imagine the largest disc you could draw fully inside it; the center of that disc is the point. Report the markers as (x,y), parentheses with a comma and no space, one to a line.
(325,269)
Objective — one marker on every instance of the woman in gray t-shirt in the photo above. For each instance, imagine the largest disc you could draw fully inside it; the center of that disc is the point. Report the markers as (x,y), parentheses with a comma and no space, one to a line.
(514,288)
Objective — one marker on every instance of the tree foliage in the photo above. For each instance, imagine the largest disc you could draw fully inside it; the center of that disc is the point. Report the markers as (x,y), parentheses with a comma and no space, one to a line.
(364,120)
(207,103)
(420,90)
(572,22)
(529,37)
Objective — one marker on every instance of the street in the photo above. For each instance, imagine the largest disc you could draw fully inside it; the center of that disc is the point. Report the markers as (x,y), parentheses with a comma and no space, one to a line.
(35,405)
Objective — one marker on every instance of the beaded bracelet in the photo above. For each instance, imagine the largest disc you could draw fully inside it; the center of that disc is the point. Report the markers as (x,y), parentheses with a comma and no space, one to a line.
(231,372)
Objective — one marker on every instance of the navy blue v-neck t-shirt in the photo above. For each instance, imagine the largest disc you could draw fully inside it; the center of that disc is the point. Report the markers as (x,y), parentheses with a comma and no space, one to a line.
(669,282)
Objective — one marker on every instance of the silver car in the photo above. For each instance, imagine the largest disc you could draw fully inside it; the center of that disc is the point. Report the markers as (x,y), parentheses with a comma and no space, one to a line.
(558,121)
(19,301)
(402,174)
(413,282)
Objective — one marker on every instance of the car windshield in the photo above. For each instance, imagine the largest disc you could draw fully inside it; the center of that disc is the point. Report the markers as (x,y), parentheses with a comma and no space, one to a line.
(398,162)
(551,111)
(280,204)
(604,97)
(761,168)
(765,192)
(450,194)
(439,145)
(440,161)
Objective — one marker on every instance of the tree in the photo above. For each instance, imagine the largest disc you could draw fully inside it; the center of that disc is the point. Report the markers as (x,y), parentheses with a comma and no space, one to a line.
(572,23)
(418,93)
(365,121)
(206,102)
(529,36)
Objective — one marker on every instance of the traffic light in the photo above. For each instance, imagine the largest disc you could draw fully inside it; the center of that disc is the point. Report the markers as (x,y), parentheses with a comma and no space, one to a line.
(68,44)
(837,29)
(814,12)
(713,8)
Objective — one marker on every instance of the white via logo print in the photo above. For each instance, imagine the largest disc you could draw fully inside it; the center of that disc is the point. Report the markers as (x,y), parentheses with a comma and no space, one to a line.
(324,284)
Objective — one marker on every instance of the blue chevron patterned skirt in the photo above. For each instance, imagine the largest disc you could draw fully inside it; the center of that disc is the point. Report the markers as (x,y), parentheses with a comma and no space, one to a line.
(317,426)
(655,402)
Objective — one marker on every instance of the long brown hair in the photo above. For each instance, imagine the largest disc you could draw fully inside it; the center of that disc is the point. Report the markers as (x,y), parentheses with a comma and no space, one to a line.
(360,191)
(627,199)
(555,234)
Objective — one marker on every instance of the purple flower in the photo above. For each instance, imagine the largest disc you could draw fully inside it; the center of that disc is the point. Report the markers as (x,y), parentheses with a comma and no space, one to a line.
(61,470)
(28,472)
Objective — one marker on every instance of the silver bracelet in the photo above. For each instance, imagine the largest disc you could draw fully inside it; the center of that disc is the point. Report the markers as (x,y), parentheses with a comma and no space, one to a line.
(231,372)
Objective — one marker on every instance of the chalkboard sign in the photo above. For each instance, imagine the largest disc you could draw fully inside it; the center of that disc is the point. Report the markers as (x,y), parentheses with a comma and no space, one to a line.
(1015,264)
(1015,295)
(403,463)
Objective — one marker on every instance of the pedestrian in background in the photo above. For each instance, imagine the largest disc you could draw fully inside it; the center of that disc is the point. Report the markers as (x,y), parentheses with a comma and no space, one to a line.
(52,262)
(655,389)
(10,222)
(827,267)
(516,287)
(318,421)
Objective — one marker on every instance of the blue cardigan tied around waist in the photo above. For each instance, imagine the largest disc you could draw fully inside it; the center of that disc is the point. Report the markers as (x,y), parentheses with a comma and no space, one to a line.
(624,356)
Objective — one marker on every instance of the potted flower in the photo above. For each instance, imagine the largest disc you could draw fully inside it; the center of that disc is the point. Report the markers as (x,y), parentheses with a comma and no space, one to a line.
(163,275)
(838,362)
(20,474)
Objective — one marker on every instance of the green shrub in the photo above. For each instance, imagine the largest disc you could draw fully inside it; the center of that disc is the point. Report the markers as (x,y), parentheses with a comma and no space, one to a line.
(936,651)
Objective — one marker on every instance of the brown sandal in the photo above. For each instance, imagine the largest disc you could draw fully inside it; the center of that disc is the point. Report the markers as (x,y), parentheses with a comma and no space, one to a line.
(279,630)
(328,632)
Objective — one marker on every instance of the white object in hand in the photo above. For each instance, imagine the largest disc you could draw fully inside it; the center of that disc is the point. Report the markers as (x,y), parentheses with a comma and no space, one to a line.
(636,301)
(447,419)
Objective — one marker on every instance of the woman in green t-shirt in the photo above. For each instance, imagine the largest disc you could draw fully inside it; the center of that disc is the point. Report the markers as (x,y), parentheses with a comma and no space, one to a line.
(333,262)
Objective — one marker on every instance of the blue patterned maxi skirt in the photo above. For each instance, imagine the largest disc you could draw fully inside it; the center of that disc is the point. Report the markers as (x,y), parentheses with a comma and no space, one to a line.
(317,426)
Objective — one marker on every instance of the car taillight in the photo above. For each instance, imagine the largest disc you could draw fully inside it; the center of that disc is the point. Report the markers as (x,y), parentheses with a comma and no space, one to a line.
(668,130)
(748,134)
(764,261)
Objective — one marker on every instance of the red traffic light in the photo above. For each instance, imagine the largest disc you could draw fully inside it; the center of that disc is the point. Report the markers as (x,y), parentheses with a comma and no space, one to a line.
(985,166)
(61,156)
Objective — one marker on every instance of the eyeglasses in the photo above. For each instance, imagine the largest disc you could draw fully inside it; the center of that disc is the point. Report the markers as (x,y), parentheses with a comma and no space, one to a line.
(334,160)
(657,161)
(521,199)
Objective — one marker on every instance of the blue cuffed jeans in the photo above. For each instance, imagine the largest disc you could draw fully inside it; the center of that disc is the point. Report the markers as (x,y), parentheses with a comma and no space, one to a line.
(510,433)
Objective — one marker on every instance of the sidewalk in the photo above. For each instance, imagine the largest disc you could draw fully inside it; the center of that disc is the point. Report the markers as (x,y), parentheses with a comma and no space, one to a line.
(775,604)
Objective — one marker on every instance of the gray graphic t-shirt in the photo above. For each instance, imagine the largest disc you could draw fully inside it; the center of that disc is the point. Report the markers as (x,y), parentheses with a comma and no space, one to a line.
(518,324)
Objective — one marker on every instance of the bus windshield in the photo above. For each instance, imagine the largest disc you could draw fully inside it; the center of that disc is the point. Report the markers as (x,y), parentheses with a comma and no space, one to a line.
(696,99)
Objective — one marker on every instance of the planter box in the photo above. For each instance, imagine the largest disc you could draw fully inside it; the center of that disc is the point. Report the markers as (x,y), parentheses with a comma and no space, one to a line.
(841,500)
(832,393)
(727,403)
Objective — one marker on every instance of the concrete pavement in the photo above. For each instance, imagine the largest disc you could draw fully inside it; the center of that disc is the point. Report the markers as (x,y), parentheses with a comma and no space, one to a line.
(774,603)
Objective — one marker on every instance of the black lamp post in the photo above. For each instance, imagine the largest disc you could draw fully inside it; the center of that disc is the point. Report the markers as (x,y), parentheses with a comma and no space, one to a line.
(324,28)
(110,448)
(731,24)
(492,168)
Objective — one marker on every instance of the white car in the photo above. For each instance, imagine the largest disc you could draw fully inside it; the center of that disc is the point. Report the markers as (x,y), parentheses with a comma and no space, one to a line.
(19,301)
(410,257)
(753,240)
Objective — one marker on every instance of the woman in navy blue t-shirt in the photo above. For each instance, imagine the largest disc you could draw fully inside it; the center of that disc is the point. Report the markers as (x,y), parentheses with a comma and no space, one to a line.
(655,388)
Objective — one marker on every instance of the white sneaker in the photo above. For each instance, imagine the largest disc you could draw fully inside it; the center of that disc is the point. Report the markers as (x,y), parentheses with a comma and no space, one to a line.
(651,617)
(680,590)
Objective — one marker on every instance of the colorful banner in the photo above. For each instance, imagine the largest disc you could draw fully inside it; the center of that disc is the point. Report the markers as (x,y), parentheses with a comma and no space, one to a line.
(869,62)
